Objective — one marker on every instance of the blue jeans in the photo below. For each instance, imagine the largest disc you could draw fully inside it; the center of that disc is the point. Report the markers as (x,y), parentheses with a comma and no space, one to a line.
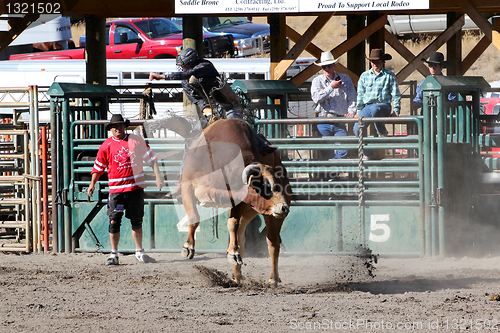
(372,111)
(262,146)
(333,130)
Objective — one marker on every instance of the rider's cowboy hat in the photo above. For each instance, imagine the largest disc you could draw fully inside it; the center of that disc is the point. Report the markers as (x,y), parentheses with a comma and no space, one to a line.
(326,59)
(378,54)
(437,58)
(117,119)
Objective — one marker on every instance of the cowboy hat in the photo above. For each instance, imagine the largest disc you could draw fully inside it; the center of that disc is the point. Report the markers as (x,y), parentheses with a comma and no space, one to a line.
(379,54)
(436,58)
(326,59)
(117,119)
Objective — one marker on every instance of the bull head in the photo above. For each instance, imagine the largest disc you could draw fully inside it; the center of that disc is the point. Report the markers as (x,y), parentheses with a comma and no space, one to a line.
(261,179)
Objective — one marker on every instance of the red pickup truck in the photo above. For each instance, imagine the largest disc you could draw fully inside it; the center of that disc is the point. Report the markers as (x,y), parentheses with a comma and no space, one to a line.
(141,38)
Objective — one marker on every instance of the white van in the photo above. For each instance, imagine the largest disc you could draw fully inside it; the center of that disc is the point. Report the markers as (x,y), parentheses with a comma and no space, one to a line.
(48,28)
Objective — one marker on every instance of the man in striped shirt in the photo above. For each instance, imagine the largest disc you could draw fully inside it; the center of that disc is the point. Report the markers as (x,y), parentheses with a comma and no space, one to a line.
(123,155)
(377,88)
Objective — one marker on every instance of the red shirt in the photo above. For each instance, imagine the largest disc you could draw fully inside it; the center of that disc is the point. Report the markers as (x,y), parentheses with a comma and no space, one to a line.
(123,158)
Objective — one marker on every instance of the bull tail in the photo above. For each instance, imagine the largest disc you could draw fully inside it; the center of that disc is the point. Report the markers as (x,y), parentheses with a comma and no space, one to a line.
(176,124)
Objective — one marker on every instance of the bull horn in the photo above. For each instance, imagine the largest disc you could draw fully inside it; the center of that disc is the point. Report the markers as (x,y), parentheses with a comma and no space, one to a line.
(250,170)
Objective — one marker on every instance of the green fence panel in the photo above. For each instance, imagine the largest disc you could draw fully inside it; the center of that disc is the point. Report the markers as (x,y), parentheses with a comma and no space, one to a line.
(422,196)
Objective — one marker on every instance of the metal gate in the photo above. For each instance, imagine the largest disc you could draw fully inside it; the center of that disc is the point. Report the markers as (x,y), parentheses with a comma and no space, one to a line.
(404,202)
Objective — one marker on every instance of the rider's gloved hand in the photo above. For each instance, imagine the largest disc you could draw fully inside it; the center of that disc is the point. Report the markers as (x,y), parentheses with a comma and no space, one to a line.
(193,80)
(204,121)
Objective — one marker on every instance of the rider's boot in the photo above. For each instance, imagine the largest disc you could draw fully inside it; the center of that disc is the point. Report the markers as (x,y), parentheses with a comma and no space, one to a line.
(233,98)
(263,146)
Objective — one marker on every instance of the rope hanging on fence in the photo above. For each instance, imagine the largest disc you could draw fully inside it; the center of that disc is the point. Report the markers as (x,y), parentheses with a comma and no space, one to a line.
(361,186)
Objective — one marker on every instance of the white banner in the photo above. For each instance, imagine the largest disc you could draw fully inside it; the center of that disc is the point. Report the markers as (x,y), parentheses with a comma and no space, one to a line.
(245,7)
(361,5)
(235,6)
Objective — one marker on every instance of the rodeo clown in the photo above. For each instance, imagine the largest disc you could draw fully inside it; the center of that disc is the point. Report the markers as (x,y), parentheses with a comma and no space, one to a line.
(123,155)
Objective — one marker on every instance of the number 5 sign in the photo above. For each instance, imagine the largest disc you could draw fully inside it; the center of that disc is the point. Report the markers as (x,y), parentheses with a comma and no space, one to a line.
(376,225)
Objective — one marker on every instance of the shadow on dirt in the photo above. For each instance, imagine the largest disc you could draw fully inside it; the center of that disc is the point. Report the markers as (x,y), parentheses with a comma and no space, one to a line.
(416,285)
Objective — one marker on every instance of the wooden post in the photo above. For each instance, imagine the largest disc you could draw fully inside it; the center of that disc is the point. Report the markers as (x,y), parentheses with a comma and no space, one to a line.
(377,39)
(277,24)
(95,50)
(193,33)
(454,48)
(193,38)
(356,61)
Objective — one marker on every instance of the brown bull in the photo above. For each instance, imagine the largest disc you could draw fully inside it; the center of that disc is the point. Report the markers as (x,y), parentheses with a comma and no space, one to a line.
(223,169)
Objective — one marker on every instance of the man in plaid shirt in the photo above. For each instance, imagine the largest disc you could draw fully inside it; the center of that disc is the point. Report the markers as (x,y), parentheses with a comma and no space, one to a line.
(377,88)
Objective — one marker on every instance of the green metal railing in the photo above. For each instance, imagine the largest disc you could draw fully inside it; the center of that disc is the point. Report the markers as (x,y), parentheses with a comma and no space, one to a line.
(63,112)
(403,164)
(404,202)
(390,184)
(453,132)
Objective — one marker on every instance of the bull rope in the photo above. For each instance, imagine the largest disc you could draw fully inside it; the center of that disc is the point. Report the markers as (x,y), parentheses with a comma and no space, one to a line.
(361,186)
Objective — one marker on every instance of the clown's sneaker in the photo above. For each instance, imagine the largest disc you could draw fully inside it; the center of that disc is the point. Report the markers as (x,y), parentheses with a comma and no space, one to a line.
(143,257)
(112,260)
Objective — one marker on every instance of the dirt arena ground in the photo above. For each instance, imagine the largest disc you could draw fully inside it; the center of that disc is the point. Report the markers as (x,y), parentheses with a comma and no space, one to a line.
(78,293)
